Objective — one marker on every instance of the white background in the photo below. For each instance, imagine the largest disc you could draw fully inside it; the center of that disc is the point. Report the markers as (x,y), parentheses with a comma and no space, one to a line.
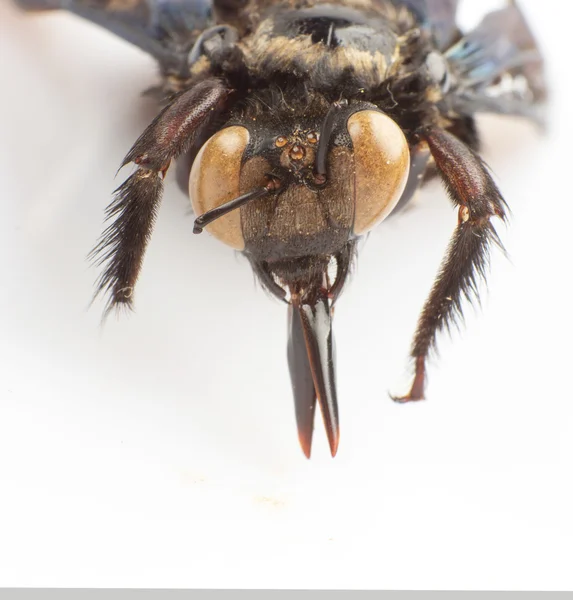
(162,450)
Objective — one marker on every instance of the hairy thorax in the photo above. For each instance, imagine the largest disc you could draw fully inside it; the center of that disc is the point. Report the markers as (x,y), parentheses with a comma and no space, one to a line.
(325,42)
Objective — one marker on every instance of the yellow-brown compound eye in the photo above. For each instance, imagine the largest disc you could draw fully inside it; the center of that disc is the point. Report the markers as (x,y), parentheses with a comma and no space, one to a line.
(214,180)
(382,165)
(281,141)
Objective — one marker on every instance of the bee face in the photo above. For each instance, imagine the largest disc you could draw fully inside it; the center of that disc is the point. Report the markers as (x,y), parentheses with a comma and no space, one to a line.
(367,169)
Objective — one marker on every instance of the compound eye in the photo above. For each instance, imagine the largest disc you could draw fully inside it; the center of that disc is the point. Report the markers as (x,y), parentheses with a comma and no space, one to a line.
(214,180)
(382,165)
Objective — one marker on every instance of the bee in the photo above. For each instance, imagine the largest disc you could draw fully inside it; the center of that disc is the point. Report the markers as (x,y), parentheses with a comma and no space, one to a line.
(297,128)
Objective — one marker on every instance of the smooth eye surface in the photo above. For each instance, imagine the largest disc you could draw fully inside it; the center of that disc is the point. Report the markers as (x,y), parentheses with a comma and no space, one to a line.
(382,165)
(214,180)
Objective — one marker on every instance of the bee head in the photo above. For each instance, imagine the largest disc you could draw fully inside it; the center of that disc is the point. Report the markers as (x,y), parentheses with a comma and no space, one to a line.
(307,188)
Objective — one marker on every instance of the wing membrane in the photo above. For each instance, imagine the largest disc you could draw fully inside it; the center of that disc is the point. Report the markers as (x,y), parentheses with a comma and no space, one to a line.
(166,29)
(498,67)
(438,15)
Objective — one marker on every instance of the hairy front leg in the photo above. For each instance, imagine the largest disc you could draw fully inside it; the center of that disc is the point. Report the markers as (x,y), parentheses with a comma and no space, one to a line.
(134,208)
(472,189)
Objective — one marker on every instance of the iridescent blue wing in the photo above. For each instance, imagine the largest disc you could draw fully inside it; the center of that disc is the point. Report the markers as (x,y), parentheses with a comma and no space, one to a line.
(166,29)
(437,15)
(498,68)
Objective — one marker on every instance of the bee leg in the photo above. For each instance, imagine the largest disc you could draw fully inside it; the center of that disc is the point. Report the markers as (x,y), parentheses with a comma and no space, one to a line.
(226,36)
(464,128)
(122,245)
(472,189)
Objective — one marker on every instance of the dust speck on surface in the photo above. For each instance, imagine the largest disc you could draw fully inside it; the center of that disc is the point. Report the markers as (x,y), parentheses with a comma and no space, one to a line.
(269,501)
(193,478)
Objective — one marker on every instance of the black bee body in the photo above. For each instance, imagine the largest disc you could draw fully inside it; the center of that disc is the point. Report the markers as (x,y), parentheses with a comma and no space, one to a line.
(299,126)
(336,49)
(302,61)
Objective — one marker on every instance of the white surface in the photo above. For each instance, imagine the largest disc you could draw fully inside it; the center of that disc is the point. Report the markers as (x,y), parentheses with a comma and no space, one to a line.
(162,451)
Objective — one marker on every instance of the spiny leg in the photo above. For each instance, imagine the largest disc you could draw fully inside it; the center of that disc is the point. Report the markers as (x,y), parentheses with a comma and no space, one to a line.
(122,245)
(472,189)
